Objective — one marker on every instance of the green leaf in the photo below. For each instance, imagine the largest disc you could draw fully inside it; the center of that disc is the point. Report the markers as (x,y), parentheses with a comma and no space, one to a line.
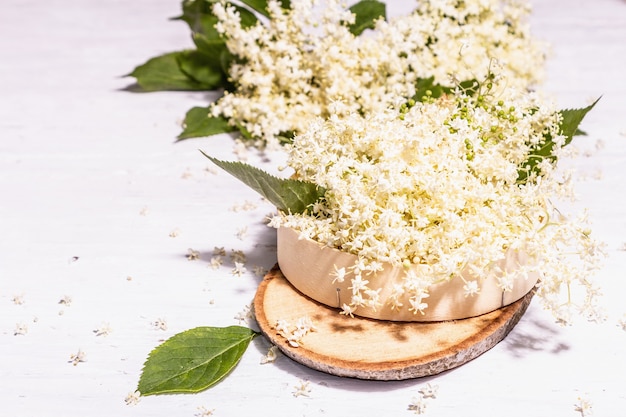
(261,5)
(426,88)
(226,58)
(194,360)
(164,73)
(288,195)
(571,119)
(366,13)
(209,45)
(204,69)
(200,123)
(199,16)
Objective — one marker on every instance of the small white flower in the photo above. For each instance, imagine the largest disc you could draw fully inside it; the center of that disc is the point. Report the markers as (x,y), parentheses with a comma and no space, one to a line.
(271,356)
(78,357)
(244,315)
(302,388)
(358,284)
(66,300)
(275,221)
(429,391)
(20,329)
(259,271)
(237,256)
(339,274)
(471,288)
(246,206)
(296,332)
(193,255)
(159,324)
(103,330)
(347,310)
(282,326)
(242,232)
(584,407)
(239,269)
(417,305)
(133,398)
(417,405)
(216,262)
(204,412)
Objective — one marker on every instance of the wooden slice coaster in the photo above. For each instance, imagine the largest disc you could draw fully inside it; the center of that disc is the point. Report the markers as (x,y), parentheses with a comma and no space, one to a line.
(375,349)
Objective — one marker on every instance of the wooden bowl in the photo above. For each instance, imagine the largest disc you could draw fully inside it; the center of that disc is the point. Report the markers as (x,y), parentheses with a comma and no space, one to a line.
(308,266)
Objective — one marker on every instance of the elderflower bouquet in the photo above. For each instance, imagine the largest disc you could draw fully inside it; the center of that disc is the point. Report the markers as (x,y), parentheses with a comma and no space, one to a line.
(302,61)
(442,189)
(416,146)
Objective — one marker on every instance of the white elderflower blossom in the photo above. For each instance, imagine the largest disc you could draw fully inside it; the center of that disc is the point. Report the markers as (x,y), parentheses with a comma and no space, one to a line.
(444,188)
(417,405)
(271,356)
(20,329)
(103,330)
(294,333)
(426,393)
(246,315)
(471,288)
(78,357)
(132,398)
(204,412)
(584,407)
(239,269)
(298,64)
(302,388)
(216,262)
(429,391)
(159,324)
(339,274)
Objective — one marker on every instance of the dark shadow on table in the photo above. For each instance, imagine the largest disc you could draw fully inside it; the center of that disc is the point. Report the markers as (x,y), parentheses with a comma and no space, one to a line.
(533,335)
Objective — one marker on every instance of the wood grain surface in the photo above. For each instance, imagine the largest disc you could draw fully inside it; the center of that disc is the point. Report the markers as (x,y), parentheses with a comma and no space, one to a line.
(377,349)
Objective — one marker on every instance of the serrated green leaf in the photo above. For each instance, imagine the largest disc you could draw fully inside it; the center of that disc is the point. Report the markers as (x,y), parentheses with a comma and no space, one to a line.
(210,46)
(288,195)
(261,5)
(366,13)
(571,119)
(164,73)
(200,123)
(194,360)
(199,16)
(202,68)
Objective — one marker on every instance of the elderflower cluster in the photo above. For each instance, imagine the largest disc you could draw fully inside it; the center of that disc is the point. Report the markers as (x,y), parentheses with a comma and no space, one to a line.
(303,62)
(443,187)
(294,333)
